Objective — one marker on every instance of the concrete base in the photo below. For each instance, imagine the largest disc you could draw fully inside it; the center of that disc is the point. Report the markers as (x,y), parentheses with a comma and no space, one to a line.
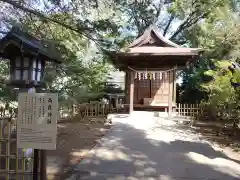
(152,114)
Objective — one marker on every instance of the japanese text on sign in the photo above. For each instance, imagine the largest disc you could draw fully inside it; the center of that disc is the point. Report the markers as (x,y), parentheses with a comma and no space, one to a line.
(37,120)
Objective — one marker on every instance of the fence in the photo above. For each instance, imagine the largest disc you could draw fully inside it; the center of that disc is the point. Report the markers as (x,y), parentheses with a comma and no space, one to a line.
(15,163)
(192,110)
(87,110)
(97,109)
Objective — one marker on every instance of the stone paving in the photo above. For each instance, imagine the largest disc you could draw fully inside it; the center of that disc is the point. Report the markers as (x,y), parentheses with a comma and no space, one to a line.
(143,148)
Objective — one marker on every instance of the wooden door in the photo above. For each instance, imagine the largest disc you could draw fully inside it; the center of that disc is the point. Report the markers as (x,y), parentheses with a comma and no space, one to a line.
(136,87)
(142,91)
(160,90)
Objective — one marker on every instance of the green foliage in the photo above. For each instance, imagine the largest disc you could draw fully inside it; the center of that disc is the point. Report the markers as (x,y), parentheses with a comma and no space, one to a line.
(210,80)
(6,93)
(81,76)
(218,35)
(236,77)
(223,98)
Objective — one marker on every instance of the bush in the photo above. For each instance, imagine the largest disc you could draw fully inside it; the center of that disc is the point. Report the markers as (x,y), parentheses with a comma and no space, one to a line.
(223,98)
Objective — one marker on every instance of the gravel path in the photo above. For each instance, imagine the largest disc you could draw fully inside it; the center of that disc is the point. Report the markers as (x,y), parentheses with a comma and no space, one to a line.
(152,148)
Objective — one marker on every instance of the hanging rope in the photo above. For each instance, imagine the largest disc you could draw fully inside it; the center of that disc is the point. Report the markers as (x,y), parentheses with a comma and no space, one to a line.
(151,74)
(158,71)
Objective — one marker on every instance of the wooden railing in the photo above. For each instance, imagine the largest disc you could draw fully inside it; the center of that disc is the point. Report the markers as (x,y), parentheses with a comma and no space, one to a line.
(192,110)
(85,110)
(66,112)
(15,163)
(95,109)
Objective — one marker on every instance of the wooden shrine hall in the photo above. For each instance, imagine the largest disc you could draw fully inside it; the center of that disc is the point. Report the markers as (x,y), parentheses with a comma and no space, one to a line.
(150,64)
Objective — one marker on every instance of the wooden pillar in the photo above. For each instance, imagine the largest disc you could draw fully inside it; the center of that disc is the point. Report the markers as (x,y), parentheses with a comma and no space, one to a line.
(131,92)
(126,89)
(170,95)
(117,103)
(175,90)
(175,87)
(110,101)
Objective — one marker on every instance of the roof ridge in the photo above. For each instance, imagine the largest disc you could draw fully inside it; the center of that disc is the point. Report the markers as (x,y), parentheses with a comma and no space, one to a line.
(163,38)
(145,37)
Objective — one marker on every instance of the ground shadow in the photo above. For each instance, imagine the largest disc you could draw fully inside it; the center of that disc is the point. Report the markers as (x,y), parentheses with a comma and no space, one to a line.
(127,152)
(221,132)
(74,138)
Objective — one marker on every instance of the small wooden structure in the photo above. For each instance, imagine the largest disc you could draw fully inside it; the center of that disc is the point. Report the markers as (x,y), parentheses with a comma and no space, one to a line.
(150,65)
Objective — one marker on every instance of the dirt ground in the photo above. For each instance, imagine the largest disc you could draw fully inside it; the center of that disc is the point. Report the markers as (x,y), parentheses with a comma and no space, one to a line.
(74,139)
(216,132)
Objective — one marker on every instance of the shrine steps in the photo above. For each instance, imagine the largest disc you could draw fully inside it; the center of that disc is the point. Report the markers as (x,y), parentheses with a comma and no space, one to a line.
(152,115)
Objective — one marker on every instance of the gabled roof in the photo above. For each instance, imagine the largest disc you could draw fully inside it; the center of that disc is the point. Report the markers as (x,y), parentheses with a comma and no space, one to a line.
(152,50)
(30,43)
(155,44)
(152,37)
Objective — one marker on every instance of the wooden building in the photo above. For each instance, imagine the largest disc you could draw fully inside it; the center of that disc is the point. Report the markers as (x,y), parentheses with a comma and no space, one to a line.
(150,65)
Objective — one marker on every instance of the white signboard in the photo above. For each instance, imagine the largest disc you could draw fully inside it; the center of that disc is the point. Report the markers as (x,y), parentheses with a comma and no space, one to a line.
(37,120)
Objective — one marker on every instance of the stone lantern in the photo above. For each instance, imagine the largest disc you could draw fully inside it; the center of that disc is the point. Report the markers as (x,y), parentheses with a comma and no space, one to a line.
(27,56)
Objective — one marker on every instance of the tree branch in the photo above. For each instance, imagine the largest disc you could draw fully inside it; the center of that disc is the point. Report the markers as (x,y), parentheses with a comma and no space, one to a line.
(41,15)
(168,25)
(182,26)
(187,21)
(135,19)
(158,9)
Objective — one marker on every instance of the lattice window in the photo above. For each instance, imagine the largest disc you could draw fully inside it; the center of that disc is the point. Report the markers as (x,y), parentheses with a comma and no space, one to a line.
(143,83)
(166,76)
(15,163)
(156,83)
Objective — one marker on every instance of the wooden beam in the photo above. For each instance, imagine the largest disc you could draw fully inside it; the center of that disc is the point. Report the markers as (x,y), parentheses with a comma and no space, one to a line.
(148,65)
(131,91)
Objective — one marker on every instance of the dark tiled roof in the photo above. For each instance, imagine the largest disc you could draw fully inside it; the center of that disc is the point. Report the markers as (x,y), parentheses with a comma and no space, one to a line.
(31,42)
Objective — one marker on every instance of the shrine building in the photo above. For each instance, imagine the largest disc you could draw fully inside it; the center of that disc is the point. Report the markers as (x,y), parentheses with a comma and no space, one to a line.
(150,64)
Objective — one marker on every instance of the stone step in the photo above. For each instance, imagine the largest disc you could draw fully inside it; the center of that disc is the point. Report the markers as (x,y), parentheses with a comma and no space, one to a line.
(149,114)
(143,113)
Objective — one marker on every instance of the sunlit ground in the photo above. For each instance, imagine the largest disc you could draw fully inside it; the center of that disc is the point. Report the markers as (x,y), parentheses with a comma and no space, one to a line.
(141,148)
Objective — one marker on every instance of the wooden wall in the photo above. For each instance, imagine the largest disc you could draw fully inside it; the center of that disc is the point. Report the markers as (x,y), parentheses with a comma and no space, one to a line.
(156,89)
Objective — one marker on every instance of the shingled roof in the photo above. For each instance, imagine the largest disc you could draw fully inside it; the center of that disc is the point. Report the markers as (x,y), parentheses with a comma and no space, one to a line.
(153,50)
(152,37)
(154,43)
